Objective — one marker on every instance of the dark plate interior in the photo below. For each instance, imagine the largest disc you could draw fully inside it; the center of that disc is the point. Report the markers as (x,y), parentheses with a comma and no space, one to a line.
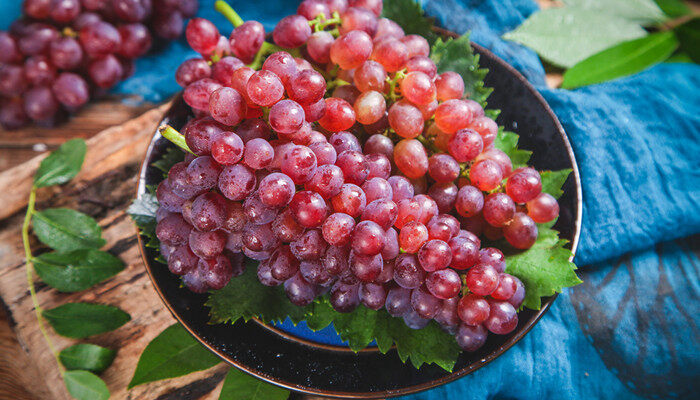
(322,370)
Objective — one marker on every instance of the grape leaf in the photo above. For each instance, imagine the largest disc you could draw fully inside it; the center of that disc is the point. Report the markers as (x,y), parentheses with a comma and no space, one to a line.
(84,385)
(645,12)
(143,212)
(457,55)
(673,8)
(410,16)
(552,181)
(87,356)
(172,156)
(174,352)
(688,35)
(61,165)
(77,270)
(507,142)
(80,320)
(64,229)
(240,386)
(566,35)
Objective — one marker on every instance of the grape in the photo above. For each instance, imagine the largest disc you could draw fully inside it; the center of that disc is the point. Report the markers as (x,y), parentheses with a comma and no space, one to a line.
(543,208)
(415,321)
(507,286)
(336,5)
(412,236)
(338,116)
(40,103)
(486,175)
(307,87)
(379,144)
(208,211)
(319,46)
(203,173)
(335,260)
(223,71)
(235,217)
(444,194)
(388,28)
(434,254)
(354,166)
(173,230)
(12,115)
(473,310)
(202,35)
(492,232)
(256,255)
(292,31)
(227,106)
(226,148)
(410,157)
(406,120)
(401,189)
(449,85)
(487,128)
(337,229)
(350,50)
(194,280)
(439,230)
(418,88)
(443,168)
(502,319)
(131,10)
(425,304)
(313,112)
(471,338)
(246,40)
(344,297)
(281,64)
(465,145)
(37,39)
(299,163)
(309,208)
(197,93)
(299,291)
(258,153)
(367,238)
(408,210)
(136,40)
(524,186)
(39,9)
(358,19)
(425,65)
(182,260)
(373,295)
(71,90)
(453,115)
(499,157)
(168,25)
(391,54)
(265,275)
(310,9)
(100,39)
(482,279)
(286,116)
(207,244)
(470,201)
(382,210)
(369,107)
(465,253)
(391,248)
(493,257)
(370,75)
(253,128)
(9,52)
(285,227)
(366,267)
(314,273)
(428,208)
(498,209)
(398,301)
(342,141)
(192,70)
(236,182)
(417,45)
(326,181)
(264,88)
(167,199)
(379,167)
(66,53)
(257,212)
(521,231)
(105,72)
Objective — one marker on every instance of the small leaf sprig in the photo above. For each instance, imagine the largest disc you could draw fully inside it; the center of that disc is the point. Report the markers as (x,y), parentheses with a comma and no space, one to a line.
(75,264)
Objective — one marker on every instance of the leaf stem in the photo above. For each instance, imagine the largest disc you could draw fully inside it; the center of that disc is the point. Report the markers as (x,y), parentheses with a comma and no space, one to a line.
(227,11)
(175,137)
(29,267)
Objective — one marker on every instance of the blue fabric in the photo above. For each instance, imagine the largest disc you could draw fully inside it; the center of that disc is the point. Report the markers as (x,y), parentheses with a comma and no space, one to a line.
(631,329)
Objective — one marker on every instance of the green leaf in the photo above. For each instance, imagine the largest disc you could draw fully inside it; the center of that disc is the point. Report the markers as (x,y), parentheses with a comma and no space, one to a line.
(507,142)
(143,209)
(244,297)
(673,8)
(65,230)
(552,181)
(172,156)
(77,270)
(61,165)
(565,36)
(85,356)
(84,385)
(457,55)
(689,37)
(240,386)
(410,16)
(645,12)
(624,59)
(544,268)
(172,353)
(80,320)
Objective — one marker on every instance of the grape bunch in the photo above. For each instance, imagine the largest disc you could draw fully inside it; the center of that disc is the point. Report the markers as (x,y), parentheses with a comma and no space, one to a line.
(343,162)
(64,52)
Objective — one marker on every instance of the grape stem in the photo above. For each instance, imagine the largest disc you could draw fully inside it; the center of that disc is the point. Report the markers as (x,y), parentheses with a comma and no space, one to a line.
(321,22)
(227,11)
(393,82)
(175,137)
(29,267)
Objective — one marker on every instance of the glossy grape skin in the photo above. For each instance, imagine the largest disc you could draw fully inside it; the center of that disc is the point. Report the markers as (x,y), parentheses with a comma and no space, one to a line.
(136,40)
(310,9)
(406,120)
(543,208)
(344,297)
(71,90)
(291,31)
(246,40)
(300,292)
(208,211)
(470,201)
(422,64)
(487,128)
(12,115)
(222,71)
(338,116)
(202,174)
(342,141)
(307,87)
(66,53)
(314,273)
(350,50)
(411,158)
(276,189)
(40,103)
(227,148)
(449,85)
(521,231)
(499,157)
(434,255)
(493,257)
(309,208)
(498,209)
(354,166)
(398,301)
(379,144)
(286,116)
(167,199)
(367,238)
(194,281)
(465,253)
(236,182)
(285,227)
(265,276)
(503,318)
(182,260)
(482,279)
(418,88)
(407,271)
(465,145)
(471,338)
(202,35)
(373,295)
(264,88)
(299,163)
(473,310)
(369,107)
(443,168)
(326,181)
(227,106)
(444,194)
(350,200)
(283,65)
(173,230)
(391,54)
(319,46)
(366,267)
(486,175)
(443,284)
(197,94)
(417,45)
(314,111)
(412,236)
(358,19)
(207,244)
(99,39)
(425,304)
(192,70)
(524,186)
(401,188)
(453,115)
(337,229)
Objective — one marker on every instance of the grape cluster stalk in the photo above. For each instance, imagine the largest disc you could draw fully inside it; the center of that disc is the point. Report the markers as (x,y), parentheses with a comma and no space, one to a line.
(341,160)
(62,53)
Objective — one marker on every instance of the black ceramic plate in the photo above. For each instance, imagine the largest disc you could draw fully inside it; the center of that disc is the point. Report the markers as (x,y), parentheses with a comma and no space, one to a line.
(304,366)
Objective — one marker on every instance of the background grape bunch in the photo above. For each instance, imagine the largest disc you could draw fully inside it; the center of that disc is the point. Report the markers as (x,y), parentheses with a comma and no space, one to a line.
(347,166)
(64,52)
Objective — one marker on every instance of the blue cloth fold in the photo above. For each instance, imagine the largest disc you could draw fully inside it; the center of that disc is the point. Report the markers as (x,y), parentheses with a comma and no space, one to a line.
(631,329)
